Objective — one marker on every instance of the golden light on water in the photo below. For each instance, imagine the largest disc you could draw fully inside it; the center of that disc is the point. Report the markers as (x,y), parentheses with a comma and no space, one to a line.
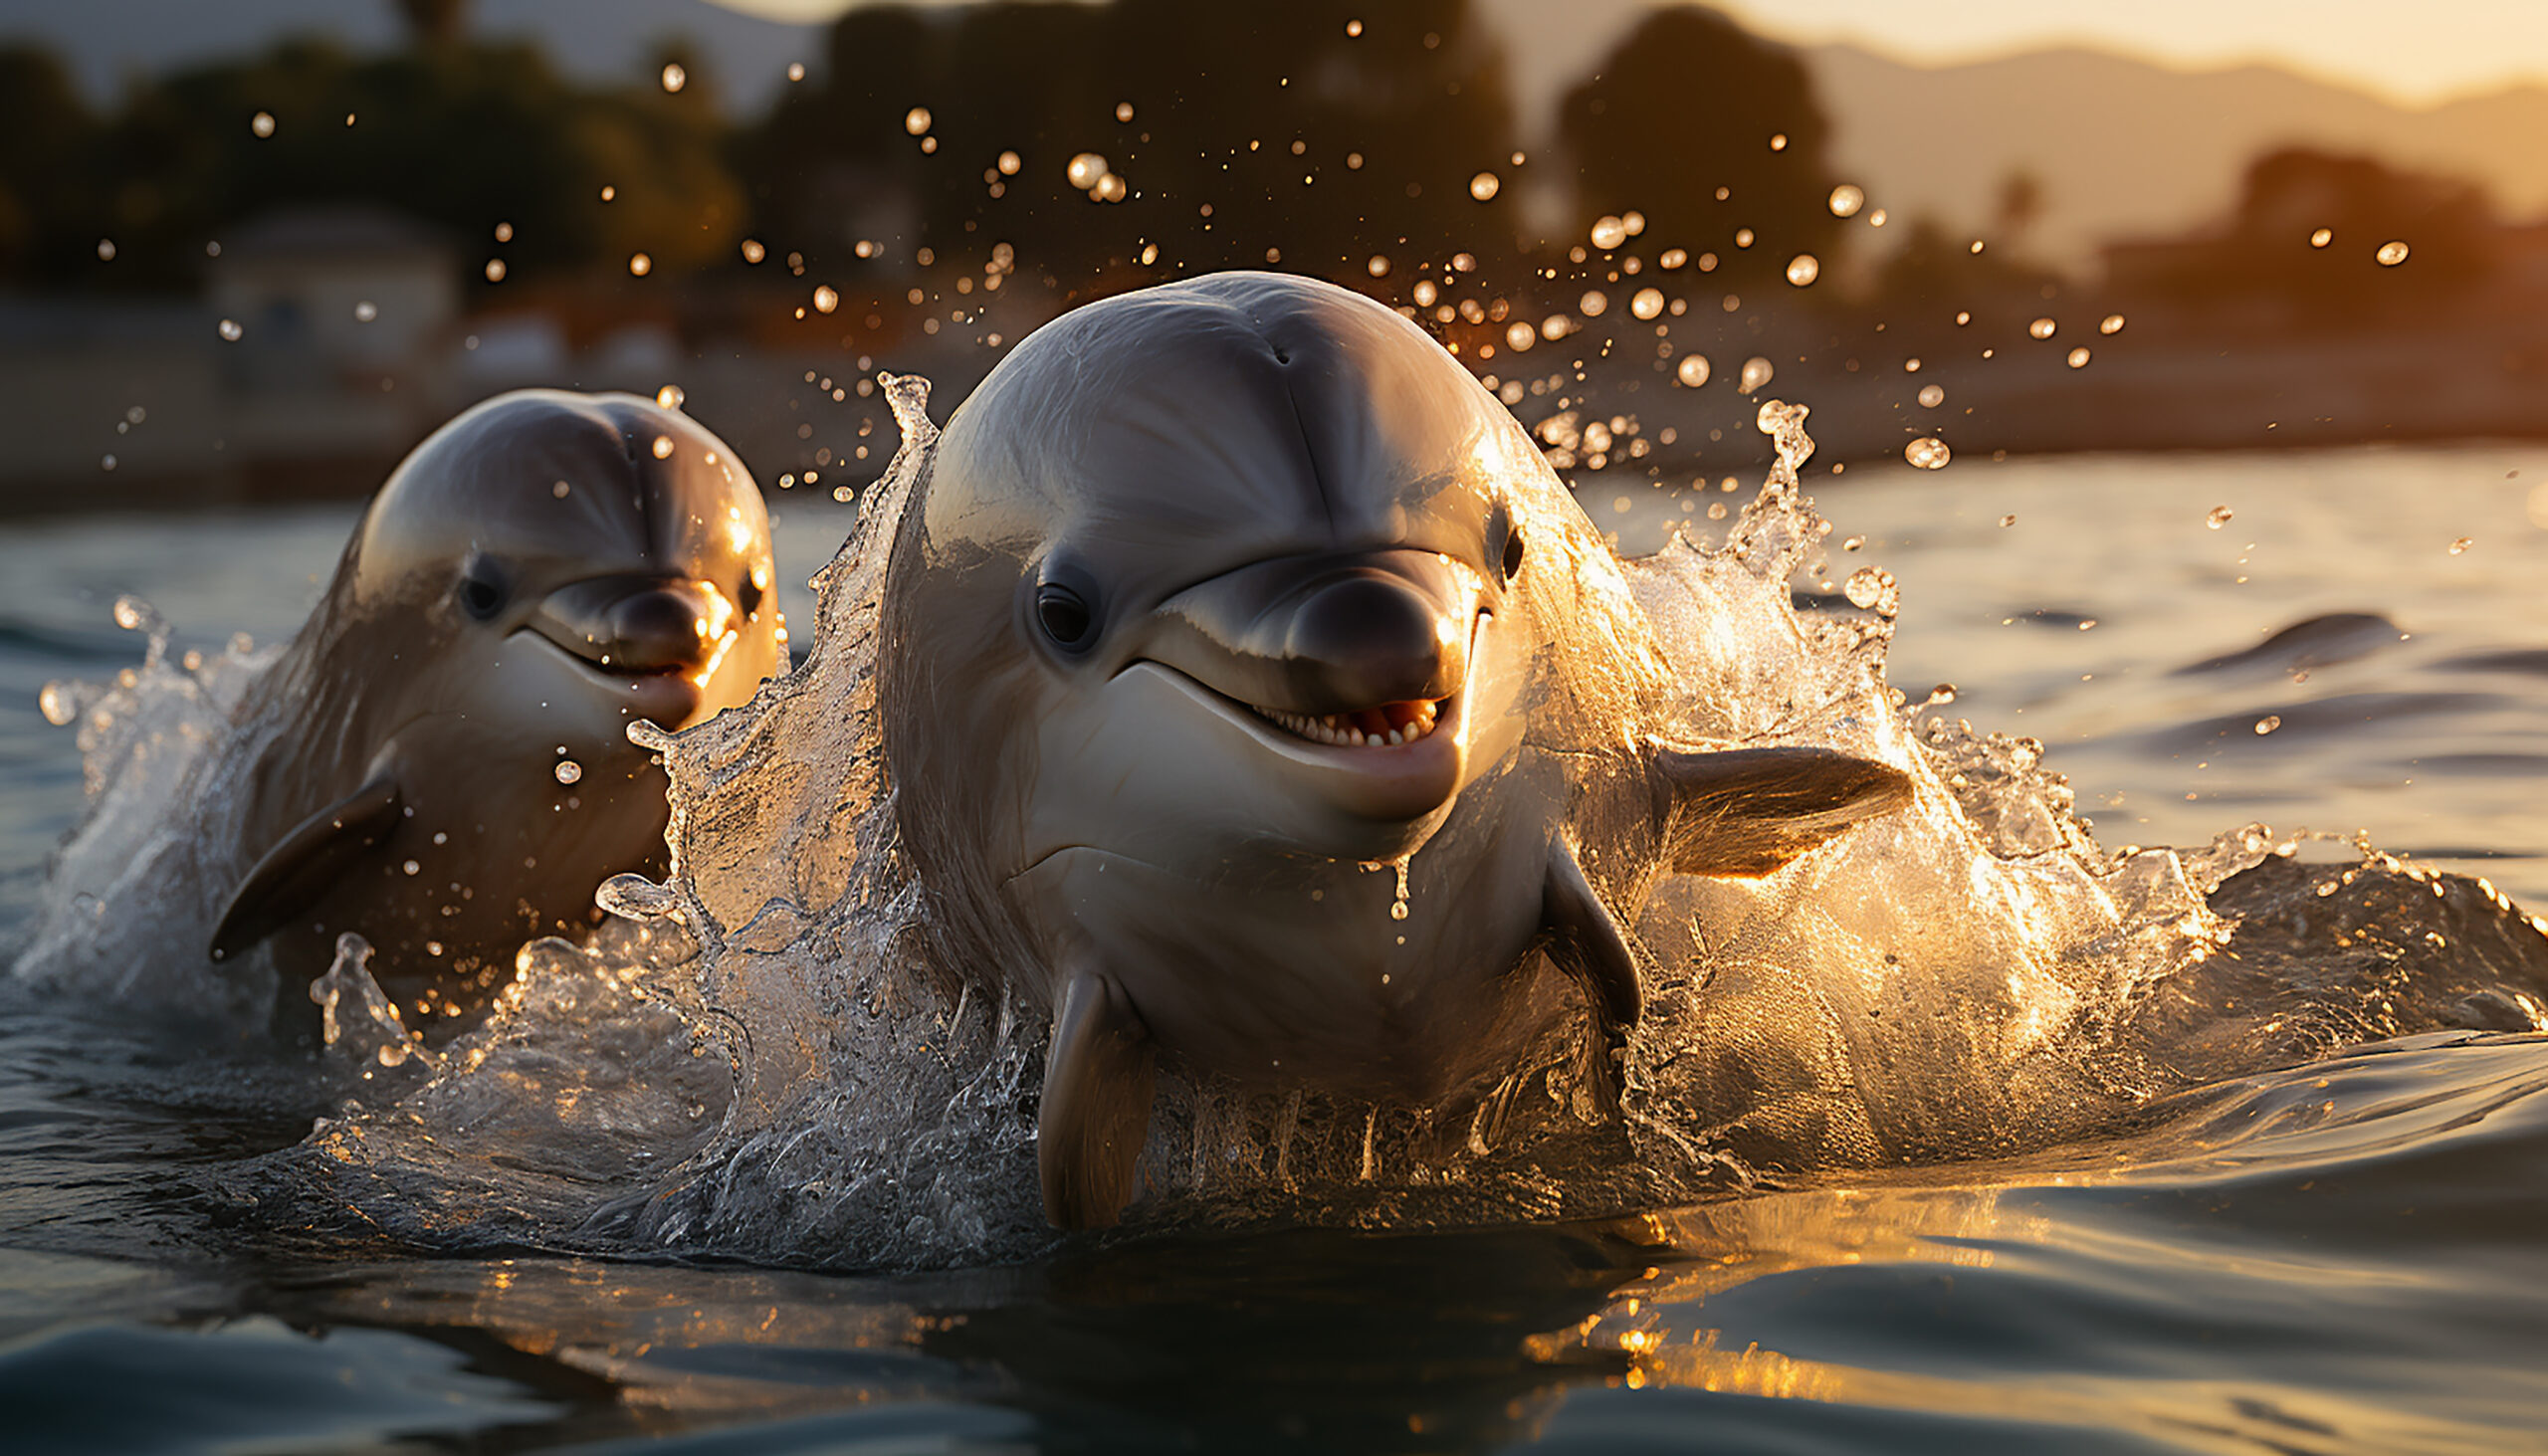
(1485,185)
(2390,254)
(1846,199)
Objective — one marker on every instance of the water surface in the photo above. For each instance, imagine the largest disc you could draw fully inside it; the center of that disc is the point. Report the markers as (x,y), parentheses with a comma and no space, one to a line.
(2339,1257)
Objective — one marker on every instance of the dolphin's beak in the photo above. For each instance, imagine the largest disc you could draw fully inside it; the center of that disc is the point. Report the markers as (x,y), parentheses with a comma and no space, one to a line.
(666,634)
(1352,649)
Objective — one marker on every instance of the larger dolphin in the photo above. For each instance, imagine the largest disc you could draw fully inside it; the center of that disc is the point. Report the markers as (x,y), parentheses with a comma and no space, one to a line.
(1225,605)
(440,758)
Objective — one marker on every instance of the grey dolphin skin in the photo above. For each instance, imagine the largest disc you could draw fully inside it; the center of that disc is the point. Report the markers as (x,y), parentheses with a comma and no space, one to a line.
(1228,609)
(540,572)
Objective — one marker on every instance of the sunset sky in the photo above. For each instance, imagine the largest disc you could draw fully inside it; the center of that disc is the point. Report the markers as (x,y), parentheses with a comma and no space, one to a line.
(2414,52)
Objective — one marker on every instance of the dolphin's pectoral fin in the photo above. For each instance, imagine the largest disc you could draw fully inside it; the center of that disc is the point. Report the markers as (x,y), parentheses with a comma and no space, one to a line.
(1098,1074)
(1587,942)
(304,864)
(1749,811)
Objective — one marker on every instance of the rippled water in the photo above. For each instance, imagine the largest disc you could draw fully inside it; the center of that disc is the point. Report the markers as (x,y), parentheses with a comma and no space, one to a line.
(2343,1256)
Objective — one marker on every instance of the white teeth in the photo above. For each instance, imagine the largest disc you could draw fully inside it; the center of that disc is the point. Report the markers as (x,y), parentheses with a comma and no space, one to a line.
(1339,729)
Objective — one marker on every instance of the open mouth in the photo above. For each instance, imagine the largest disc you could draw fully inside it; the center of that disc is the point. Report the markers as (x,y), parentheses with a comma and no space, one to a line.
(1387,725)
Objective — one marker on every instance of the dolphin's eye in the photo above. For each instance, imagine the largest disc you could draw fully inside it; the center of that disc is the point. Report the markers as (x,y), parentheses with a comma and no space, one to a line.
(482,592)
(1512,552)
(1066,618)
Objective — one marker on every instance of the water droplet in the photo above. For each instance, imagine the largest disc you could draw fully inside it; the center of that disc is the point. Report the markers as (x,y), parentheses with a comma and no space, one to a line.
(494,269)
(608,192)
(559,490)
(634,897)
(795,71)
(1846,199)
(639,265)
(1757,371)
(569,771)
(1593,304)
(230,330)
(2269,724)
(2218,516)
(2078,358)
(1354,28)
(2322,237)
(1085,170)
(753,252)
(1485,185)
(58,702)
(670,397)
(674,78)
(1693,370)
(1519,335)
(1609,232)
(2462,545)
(2390,254)
(1124,112)
(1647,304)
(1942,695)
(1112,188)
(2111,323)
(916,120)
(1803,269)
(663,447)
(262,124)
(366,311)
(1778,142)
(827,298)
(1931,396)
(1872,588)
(1398,909)
(2008,521)
(410,867)
(1928,452)
(106,250)
(106,460)
(2041,327)
(132,613)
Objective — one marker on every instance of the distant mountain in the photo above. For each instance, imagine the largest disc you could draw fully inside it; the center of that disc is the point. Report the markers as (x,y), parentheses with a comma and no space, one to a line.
(107,39)
(2128,149)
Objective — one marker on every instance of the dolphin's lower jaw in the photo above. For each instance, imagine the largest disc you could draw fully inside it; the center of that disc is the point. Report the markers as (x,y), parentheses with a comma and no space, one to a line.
(1360,772)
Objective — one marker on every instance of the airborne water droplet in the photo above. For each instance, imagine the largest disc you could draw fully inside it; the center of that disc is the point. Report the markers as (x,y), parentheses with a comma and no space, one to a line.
(2042,327)
(1931,396)
(230,330)
(1846,199)
(1084,170)
(916,120)
(59,703)
(2390,254)
(1693,370)
(2322,237)
(1647,304)
(2462,545)
(1803,269)
(1871,588)
(2111,323)
(569,770)
(674,78)
(2079,357)
(1485,185)
(1756,372)
(1928,452)
(670,396)
(2218,516)
(1608,233)
(262,124)
(2269,724)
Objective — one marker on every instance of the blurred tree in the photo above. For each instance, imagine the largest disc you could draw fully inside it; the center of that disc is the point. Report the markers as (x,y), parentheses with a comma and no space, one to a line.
(2019,207)
(465,137)
(48,211)
(1325,132)
(1678,124)
(2270,260)
(435,22)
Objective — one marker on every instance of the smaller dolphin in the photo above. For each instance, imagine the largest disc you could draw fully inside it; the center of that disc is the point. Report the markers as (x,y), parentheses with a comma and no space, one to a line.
(1218,597)
(439,760)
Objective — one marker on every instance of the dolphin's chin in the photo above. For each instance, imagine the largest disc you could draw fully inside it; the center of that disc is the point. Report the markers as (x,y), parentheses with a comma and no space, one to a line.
(671,699)
(1358,771)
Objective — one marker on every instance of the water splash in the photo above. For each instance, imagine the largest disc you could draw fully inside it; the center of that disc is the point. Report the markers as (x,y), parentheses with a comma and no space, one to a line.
(763,1056)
